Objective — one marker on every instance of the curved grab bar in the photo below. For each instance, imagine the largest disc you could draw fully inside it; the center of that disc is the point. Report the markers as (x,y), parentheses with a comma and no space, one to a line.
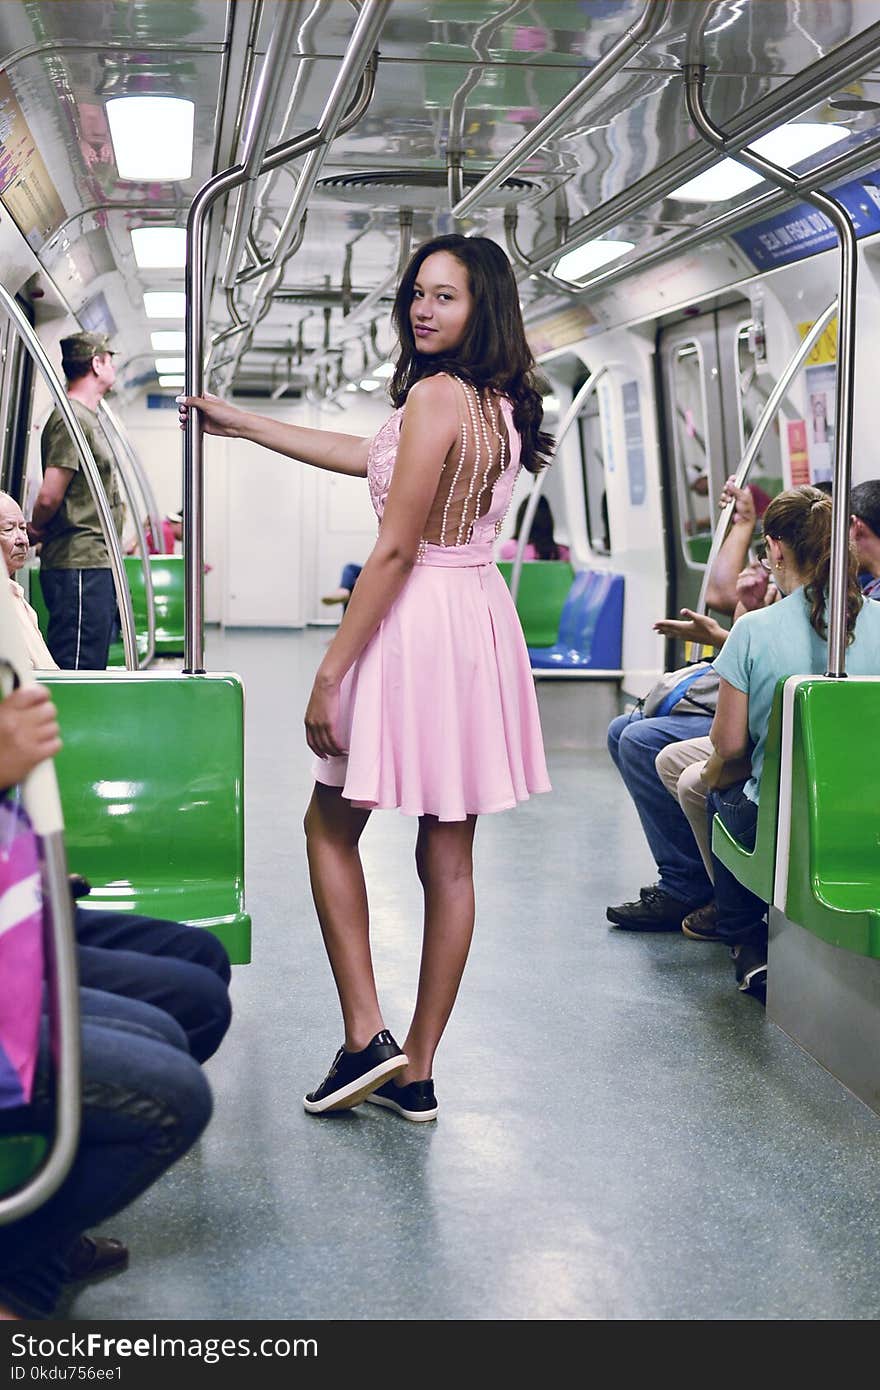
(756,438)
(568,420)
(842,222)
(135,509)
(43,805)
(90,469)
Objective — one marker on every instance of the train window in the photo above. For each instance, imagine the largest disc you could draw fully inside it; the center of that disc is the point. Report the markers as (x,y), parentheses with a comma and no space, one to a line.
(593,470)
(694,486)
(753,388)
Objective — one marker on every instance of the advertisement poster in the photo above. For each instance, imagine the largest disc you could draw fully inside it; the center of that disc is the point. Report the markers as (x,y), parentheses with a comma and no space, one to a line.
(820,380)
(821,398)
(798,457)
(26,189)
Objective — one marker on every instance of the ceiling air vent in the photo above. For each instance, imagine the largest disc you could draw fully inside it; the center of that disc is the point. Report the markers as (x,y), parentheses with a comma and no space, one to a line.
(417,188)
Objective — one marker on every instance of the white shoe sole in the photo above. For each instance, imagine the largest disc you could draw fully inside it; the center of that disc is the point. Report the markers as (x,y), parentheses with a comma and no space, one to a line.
(356,1091)
(757,976)
(415,1115)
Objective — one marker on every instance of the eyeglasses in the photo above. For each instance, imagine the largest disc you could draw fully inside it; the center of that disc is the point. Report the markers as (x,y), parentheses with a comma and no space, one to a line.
(763,561)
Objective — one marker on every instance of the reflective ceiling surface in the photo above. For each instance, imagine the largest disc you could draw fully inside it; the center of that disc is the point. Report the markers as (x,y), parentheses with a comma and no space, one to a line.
(461,81)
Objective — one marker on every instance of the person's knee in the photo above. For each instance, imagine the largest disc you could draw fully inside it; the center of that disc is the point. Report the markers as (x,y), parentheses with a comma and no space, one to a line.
(216,1011)
(667,770)
(615,730)
(443,858)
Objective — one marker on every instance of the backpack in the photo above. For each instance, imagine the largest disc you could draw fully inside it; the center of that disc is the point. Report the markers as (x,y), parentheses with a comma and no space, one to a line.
(689,690)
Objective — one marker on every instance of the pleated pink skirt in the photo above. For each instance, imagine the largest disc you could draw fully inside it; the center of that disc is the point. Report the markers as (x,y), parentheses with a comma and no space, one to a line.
(439,713)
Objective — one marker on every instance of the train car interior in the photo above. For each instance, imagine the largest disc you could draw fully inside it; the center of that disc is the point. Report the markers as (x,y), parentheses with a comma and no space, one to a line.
(226,192)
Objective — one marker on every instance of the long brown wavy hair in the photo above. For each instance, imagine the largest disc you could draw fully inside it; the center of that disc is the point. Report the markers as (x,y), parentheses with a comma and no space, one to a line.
(493,354)
(801,519)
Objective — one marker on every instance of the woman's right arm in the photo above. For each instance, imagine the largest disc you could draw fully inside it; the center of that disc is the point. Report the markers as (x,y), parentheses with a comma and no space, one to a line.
(338,453)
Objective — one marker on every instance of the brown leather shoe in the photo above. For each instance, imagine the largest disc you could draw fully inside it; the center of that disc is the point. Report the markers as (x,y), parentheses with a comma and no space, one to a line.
(701,924)
(91,1257)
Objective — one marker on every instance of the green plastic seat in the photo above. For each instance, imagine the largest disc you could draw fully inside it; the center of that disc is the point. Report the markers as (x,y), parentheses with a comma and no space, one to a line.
(151,778)
(755,868)
(20,1157)
(168,603)
(833,887)
(543,589)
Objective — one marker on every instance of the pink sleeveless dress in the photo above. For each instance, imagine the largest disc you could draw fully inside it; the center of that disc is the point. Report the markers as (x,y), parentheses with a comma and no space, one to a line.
(439,713)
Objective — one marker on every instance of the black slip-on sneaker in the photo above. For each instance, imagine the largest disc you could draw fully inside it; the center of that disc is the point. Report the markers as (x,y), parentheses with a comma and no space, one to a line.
(750,964)
(354,1075)
(415,1101)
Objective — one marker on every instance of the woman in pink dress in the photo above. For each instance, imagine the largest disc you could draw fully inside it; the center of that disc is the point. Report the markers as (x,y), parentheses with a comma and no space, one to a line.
(424,700)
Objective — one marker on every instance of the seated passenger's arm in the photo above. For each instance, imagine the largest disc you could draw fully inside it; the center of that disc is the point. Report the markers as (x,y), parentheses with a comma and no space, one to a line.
(56,481)
(28,733)
(730,727)
(693,627)
(721,589)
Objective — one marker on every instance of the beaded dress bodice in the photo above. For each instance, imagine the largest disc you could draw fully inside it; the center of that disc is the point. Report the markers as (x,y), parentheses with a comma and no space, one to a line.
(476,484)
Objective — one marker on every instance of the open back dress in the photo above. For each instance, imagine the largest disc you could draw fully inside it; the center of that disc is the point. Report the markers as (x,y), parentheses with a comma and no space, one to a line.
(439,713)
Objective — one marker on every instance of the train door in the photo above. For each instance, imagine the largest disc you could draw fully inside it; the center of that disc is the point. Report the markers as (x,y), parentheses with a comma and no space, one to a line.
(715,385)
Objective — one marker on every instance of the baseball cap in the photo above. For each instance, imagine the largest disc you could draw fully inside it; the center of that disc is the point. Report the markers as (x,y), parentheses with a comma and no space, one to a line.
(82,347)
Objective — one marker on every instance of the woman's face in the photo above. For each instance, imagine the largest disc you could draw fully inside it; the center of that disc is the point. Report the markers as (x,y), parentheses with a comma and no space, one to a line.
(441,304)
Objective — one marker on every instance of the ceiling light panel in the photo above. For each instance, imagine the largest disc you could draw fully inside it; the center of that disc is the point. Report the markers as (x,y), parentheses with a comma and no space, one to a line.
(152,137)
(159,248)
(165,304)
(168,340)
(788,146)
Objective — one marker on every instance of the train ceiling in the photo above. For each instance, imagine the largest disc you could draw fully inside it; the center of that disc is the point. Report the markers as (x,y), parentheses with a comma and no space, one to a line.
(459,87)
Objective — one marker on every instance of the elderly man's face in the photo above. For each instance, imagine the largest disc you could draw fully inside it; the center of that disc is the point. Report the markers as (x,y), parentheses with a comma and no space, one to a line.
(13,535)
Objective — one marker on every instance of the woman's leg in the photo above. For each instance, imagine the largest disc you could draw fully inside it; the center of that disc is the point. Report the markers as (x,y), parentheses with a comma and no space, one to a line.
(333,829)
(444,859)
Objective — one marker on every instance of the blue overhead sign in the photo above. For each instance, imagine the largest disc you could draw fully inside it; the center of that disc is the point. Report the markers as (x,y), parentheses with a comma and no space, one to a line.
(803,230)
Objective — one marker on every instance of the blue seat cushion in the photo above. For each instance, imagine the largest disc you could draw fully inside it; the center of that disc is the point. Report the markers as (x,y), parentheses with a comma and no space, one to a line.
(590,628)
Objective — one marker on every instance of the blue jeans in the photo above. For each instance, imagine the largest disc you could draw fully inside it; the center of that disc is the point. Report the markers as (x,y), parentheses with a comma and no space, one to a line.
(145,1103)
(82,617)
(634,743)
(740,912)
(181,969)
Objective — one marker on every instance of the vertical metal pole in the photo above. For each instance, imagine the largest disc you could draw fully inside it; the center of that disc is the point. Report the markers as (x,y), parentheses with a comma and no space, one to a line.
(846,352)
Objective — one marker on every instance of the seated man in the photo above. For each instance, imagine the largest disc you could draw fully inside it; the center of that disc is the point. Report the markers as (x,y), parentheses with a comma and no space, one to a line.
(684,887)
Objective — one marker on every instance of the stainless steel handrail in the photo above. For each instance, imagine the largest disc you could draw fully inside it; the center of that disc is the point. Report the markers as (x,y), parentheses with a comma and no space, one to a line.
(358,54)
(193,459)
(725,223)
(762,424)
(43,805)
(631,41)
(829,74)
(480,43)
(846,351)
(120,453)
(90,469)
(566,423)
(256,136)
(146,487)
